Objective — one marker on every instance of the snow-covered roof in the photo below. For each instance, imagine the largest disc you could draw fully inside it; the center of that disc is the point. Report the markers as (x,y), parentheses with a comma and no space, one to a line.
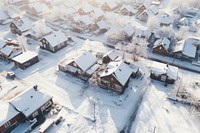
(29,101)
(23,24)
(162,41)
(113,55)
(3,15)
(86,20)
(99,12)
(111,4)
(24,57)
(129,8)
(38,7)
(134,68)
(7,50)
(102,24)
(56,38)
(67,11)
(165,19)
(189,49)
(14,1)
(85,60)
(161,68)
(92,69)
(7,112)
(154,9)
(87,8)
(186,47)
(129,30)
(2,44)
(119,70)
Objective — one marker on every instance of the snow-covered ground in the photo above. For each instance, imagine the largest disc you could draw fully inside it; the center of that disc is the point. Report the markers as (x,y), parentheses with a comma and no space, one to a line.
(92,109)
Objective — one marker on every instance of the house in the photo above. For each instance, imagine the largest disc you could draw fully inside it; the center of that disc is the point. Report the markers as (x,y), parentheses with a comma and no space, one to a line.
(20,26)
(85,9)
(165,19)
(115,76)
(32,103)
(101,27)
(163,72)
(143,12)
(128,10)
(39,30)
(79,65)
(109,5)
(83,22)
(26,59)
(8,52)
(37,8)
(54,42)
(185,50)
(110,56)
(9,117)
(68,12)
(188,22)
(128,31)
(161,46)
(98,14)
(3,16)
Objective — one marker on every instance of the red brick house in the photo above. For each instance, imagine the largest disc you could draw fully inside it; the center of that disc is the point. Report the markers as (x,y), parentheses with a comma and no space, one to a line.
(32,103)
(161,46)
(20,26)
(9,117)
(115,76)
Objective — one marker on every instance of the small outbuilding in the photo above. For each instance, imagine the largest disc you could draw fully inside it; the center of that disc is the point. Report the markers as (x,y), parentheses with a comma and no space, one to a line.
(163,72)
(26,59)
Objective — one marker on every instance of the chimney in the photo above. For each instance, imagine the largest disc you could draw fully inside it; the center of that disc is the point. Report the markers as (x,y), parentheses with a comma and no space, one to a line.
(35,87)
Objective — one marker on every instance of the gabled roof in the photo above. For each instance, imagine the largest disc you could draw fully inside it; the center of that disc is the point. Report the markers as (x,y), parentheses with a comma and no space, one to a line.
(102,24)
(7,50)
(87,8)
(129,8)
(165,42)
(113,55)
(38,7)
(186,47)
(24,57)
(2,44)
(165,19)
(56,38)
(128,29)
(99,12)
(23,24)
(3,15)
(119,70)
(7,112)
(29,101)
(161,68)
(111,4)
(85,60)
(86,20)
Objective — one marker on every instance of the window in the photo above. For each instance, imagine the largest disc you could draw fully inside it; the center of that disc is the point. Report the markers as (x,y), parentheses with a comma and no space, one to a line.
(7,124)
(117,87)
(35,114)
(48,104)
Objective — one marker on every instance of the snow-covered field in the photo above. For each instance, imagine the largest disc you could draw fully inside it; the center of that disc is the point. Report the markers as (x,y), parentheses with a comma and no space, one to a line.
(142,108)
